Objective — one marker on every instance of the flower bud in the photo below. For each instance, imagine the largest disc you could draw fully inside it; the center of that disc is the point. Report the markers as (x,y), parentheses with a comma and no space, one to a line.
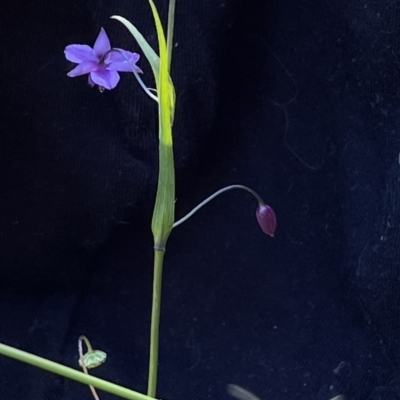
(93,359)
(266,218)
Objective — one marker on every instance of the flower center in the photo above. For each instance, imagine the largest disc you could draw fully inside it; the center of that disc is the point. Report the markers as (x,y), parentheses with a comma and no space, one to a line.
(102,61)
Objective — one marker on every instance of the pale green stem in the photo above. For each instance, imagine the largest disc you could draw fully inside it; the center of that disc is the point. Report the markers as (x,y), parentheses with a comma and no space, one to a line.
(155,322)
(85,370)
(87,342)
(213,196)
(170,31)
(70,373)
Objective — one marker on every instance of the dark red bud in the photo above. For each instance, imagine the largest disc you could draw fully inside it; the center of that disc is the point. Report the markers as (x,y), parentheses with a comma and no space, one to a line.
(266,218)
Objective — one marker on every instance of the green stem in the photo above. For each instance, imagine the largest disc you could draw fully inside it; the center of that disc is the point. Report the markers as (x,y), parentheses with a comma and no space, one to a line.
(70,373)
(170,31)
(155,322)
(87,342)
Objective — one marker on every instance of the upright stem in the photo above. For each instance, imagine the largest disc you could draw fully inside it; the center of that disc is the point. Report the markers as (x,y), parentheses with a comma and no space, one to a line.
(170,31)
(155,322)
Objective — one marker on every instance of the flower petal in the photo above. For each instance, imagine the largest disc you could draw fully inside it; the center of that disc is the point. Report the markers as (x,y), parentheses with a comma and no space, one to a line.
(117,62)
(78,53)
(84,68)
(90,81)
(105,78)
(102,44)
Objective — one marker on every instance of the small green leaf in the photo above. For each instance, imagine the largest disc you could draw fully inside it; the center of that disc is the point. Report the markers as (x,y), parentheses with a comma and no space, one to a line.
(93,359)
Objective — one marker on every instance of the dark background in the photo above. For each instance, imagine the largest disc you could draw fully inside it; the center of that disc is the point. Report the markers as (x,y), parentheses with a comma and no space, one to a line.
(300,101)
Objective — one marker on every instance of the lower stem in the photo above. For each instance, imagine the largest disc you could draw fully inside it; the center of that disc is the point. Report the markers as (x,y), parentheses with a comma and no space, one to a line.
(70,373)
(155,322)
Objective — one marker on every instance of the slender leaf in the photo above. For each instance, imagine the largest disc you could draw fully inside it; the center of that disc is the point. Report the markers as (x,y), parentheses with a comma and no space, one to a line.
(151,56)
(148,51)
(165,78)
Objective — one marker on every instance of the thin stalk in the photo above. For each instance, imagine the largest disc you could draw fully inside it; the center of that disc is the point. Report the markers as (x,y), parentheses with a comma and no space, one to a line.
(213,196)
(87,342)
(170,31)
(85,370)
(70,373)
(155,323)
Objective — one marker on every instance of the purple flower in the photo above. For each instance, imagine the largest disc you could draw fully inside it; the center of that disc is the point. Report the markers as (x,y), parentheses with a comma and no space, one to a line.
(100,62)
(266,218)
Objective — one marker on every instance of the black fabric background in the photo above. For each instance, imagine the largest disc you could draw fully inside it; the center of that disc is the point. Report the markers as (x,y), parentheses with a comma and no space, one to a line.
(300,101)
